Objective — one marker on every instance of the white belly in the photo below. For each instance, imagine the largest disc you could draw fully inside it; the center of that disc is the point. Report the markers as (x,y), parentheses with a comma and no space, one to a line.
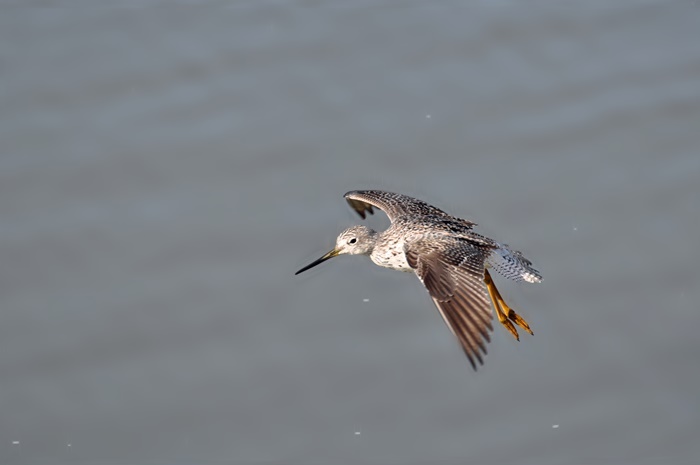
(393,257)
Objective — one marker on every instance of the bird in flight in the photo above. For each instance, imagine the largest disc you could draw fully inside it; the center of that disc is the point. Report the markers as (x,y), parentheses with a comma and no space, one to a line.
(451,260)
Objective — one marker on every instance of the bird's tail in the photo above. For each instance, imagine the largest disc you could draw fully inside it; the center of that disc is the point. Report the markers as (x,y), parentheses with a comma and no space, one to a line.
(512,265)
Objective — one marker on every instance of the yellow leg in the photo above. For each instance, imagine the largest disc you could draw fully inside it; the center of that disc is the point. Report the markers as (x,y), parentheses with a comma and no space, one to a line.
(504,313)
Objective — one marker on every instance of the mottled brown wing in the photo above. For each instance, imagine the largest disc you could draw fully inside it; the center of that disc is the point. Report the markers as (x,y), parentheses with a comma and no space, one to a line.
(394,205)
(453,273)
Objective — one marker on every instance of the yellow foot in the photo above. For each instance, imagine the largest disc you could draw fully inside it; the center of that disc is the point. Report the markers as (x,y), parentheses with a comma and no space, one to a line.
(518,320)
(506,315)
(509,326)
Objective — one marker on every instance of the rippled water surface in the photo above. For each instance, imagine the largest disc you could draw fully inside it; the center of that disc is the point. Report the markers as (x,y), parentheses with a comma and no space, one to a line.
(165,169)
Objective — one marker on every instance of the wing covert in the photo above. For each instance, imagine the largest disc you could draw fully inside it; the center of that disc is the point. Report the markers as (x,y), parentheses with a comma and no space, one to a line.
(394,205)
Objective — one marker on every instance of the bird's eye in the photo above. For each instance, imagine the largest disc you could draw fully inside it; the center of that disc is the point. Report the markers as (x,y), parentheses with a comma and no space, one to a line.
(352,241)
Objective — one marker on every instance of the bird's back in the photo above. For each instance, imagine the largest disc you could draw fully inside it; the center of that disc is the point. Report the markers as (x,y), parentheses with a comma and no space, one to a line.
(455,236)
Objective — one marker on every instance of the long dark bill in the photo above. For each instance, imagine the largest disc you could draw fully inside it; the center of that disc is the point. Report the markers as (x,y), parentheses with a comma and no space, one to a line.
(331,254)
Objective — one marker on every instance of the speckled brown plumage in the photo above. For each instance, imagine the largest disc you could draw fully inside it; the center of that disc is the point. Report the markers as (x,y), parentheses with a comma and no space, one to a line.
(449,258)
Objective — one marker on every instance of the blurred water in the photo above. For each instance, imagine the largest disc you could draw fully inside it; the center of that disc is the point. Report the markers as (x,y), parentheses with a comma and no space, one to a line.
(164,170)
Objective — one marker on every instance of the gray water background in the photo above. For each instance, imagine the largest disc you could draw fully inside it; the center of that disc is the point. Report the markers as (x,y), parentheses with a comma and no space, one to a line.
(164,170)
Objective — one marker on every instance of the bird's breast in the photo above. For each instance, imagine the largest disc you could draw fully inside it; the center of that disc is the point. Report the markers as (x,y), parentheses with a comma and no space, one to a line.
(391,255)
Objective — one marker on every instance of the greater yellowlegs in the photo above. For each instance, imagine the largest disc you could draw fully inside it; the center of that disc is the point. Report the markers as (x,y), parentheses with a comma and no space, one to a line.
(449,258)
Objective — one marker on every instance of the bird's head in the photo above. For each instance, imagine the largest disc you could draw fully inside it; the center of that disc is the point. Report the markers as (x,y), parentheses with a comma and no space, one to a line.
(356,240)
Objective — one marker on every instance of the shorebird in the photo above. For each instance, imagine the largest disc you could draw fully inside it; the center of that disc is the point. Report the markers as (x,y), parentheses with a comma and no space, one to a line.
(451,260)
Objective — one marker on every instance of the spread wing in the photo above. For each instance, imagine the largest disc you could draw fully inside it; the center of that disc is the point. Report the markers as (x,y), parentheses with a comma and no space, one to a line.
(394,205)
(453,273)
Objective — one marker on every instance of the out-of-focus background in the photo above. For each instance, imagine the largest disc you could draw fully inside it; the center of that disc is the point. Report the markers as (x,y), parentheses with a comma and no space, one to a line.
(164,170)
